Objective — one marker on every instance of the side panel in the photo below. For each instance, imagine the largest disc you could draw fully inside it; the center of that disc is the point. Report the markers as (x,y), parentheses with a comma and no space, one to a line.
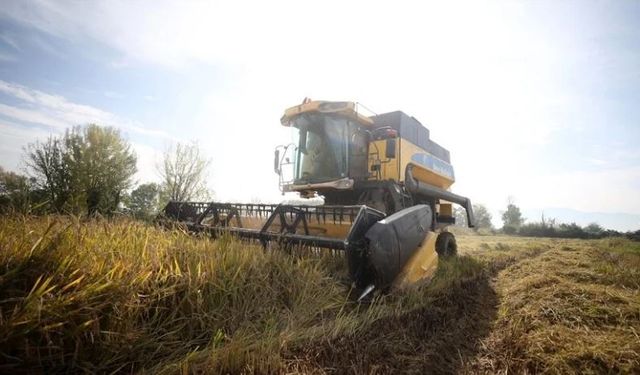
(421,265)
(389,169)
(429,169)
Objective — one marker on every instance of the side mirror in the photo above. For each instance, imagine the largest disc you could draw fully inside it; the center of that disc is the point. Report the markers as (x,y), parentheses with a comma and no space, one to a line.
(276,161)
(390,148)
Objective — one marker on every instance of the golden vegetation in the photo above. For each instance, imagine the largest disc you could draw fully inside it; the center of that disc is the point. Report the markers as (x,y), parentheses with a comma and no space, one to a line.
(119,296)
(573,307)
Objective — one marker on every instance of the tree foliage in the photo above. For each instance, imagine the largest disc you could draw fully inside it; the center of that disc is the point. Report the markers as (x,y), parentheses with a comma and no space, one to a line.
(47,165)
(482,217)
(86,169)
(512,218)
(184,173)
(481,214)
(564,230)
(144,200)
(15,192)
(594,229)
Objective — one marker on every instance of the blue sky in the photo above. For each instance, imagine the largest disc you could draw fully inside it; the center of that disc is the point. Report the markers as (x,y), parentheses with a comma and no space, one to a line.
(535,100)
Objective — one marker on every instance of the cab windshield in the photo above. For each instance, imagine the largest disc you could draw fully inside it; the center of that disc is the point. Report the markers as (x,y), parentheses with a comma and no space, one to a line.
(326,148)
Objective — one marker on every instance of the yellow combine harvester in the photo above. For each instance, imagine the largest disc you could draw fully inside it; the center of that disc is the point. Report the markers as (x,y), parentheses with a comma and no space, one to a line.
(385,186)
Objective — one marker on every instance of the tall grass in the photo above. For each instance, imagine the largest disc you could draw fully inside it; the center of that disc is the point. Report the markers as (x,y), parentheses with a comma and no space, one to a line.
(103,296)
(120,296)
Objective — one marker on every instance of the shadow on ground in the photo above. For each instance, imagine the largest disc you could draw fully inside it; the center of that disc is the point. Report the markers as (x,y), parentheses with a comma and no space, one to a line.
(438,338)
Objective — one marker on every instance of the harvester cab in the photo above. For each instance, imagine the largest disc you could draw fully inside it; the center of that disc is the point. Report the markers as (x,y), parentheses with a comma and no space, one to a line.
(385,186)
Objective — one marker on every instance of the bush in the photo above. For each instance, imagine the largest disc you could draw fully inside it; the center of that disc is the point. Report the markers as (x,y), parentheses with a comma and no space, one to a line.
(572,230)
(537,230)
(635,236)
(509,229)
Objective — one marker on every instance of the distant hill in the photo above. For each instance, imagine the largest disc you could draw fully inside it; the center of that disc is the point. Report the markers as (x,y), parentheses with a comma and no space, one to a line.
(618,221)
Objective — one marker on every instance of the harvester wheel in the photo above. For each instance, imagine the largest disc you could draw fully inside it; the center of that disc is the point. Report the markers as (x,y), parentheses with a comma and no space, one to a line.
(446,245)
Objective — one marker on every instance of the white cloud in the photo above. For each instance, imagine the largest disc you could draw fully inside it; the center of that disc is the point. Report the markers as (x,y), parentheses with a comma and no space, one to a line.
(57,112)
(607,190)
(487,79)
(10,41)
(173,33)
(596,161)
(14,138)
(31,116)
(48,114)
(7,57)
(113,95)
(148,159)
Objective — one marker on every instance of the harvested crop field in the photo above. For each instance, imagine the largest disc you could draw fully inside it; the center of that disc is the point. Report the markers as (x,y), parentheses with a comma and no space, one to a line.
(120,296)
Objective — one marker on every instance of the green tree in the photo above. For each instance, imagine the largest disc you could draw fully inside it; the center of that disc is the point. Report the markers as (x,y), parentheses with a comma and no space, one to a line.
(102,164)
(15,192)
(184,173)
(86,169)
(144,201)
(512,218)
(48,169)
(594,230)
(482,217)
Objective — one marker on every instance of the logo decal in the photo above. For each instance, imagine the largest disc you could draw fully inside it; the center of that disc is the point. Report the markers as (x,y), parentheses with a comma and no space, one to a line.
(431,162)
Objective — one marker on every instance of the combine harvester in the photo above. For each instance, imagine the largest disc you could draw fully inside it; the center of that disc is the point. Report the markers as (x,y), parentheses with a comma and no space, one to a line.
(385,188)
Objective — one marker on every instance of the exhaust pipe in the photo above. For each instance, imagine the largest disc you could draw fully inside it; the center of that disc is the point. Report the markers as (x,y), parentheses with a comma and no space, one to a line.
(420,188)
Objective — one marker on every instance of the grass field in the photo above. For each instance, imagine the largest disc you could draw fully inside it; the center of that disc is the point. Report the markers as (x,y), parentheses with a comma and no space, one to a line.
(119,296)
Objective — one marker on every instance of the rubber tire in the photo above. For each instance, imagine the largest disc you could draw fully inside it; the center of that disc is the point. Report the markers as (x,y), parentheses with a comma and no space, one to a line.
(446,245)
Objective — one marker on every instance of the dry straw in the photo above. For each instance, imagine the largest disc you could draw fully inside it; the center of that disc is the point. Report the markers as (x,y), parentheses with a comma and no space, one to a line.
(120,296)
